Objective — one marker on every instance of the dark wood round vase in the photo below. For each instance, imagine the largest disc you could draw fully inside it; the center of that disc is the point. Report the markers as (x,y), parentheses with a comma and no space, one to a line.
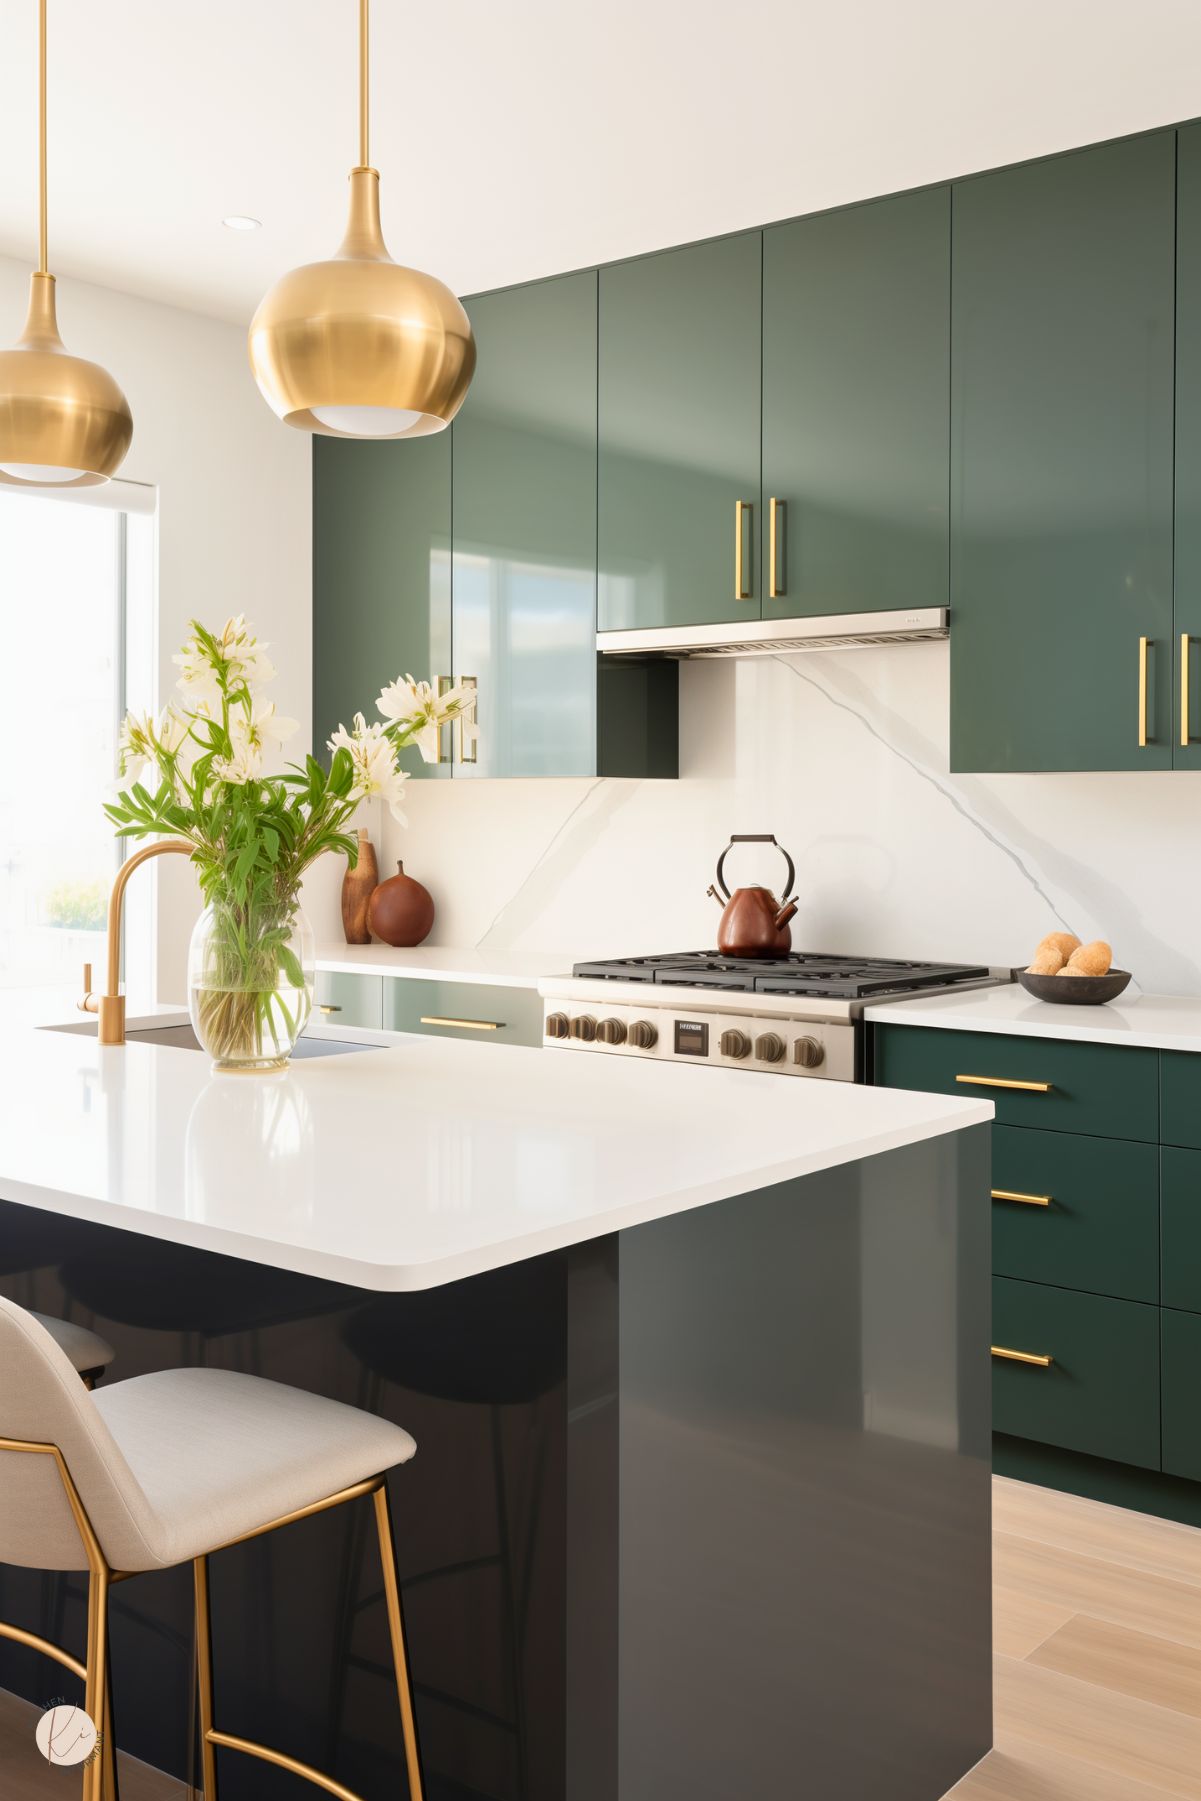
(401,911)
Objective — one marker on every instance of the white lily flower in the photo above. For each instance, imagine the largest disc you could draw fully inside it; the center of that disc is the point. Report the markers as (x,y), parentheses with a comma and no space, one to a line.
(373,758)
(245,765)
(142,737)
(420,712)
(260,724)
(238,660)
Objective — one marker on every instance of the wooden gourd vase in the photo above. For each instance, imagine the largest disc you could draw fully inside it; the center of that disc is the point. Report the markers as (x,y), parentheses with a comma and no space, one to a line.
(358,885)
(401,911)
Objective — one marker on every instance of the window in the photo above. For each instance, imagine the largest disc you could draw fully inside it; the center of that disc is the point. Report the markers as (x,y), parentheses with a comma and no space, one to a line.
(76,588)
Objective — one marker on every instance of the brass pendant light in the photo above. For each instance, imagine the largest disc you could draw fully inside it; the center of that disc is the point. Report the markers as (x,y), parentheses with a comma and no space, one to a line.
(64,422)
(359,347)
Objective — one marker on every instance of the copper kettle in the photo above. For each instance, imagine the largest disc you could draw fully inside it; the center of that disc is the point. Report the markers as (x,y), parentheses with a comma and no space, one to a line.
(754,923)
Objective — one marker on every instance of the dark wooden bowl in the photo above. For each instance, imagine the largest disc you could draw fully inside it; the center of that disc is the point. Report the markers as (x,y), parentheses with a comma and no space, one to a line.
(1075,991)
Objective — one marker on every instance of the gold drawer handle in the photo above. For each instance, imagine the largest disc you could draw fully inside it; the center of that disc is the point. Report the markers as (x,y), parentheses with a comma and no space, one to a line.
(1144,645)
(1184,646)
(1004,1082)
(327,1007)
(744,512)
(1042,1363)
(463,1025)
(1015,1194)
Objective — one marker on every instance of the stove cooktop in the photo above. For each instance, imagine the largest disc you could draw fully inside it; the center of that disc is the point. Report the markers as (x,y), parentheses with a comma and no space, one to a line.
(801,972)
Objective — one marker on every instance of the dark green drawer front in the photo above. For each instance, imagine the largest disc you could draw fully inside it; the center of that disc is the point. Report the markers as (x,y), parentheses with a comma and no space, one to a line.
(479,1014)
(1100,1230)
(1094,1088)
(1181,1393)
(1100,1394)
(1180,1098)
(1181,1227)
(348,1000)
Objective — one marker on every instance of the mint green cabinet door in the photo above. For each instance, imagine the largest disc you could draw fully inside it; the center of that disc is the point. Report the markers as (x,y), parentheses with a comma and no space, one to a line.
(856,422)
(381,576)
(1061,460)
(1186,737)
(679,436)
(524,582)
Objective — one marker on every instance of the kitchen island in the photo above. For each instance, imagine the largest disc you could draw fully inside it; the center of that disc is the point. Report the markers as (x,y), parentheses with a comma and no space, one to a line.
(698,1370)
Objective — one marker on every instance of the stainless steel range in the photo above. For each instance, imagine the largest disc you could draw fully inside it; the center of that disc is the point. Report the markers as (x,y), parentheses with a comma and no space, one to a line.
(798,1015)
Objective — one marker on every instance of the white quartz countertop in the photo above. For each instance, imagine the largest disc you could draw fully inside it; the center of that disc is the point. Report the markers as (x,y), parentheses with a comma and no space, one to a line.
(417,1162)
(439,963)
(1165,1022)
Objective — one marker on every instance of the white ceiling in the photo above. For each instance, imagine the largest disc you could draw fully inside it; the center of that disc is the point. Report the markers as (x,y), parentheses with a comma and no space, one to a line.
(517,138)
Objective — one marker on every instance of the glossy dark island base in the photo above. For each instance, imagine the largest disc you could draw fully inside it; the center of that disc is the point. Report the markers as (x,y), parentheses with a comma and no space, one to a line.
(699,1510)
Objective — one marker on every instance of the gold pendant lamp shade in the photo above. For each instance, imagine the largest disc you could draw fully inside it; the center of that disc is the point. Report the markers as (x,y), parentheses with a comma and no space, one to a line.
(64,422)
(360,347)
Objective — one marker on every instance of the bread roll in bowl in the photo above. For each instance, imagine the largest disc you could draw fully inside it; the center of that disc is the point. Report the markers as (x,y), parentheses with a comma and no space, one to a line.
(1047,962)
(1063,942)
(1092,959)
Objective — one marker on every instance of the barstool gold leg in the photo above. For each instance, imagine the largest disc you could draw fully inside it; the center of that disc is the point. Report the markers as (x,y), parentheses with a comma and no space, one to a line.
(204,1676)
(404,1688)
(96,1688)
(108,1781)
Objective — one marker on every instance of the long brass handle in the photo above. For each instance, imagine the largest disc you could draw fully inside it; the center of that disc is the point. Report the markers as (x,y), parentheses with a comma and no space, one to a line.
(445,684)
(1037,1358)
(463,1025)
(1004,1082)
(776,523)
(1144,645)
(741,591)
(1184,643)
(1027,1200)
(468,747)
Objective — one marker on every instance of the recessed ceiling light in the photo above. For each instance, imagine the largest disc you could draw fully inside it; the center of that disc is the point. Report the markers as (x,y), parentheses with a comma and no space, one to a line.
(241,222)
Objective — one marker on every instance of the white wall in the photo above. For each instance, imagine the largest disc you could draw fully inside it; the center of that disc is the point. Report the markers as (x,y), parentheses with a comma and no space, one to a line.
(234,502)
(843,755)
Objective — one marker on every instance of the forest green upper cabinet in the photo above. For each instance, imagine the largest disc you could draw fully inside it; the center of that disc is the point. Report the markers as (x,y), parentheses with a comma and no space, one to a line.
(524,582)
(1061,460)
(381,575)
(1186,636)
(856,452)
(679,436)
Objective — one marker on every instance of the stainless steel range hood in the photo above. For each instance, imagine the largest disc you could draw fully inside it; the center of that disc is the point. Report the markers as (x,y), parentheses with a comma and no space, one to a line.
(772,637)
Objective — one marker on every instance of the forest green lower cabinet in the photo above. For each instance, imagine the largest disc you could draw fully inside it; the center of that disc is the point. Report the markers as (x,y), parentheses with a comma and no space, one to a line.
(1181,1228)
(1100,1392)
(1180,1099)
(1181,1393)
(1076,1212)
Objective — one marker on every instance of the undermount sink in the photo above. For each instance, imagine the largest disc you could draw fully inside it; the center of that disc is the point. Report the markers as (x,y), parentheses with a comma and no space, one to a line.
(183,1038)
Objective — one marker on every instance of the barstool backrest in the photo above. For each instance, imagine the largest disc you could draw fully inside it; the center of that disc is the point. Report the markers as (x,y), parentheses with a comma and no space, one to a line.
(43,1401)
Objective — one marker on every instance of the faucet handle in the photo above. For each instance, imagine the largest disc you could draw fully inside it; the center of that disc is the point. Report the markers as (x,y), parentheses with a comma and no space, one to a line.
(89,1003)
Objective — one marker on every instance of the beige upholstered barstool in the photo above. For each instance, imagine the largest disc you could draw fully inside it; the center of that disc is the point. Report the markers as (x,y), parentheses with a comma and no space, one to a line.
(166,1469)
(87,1351)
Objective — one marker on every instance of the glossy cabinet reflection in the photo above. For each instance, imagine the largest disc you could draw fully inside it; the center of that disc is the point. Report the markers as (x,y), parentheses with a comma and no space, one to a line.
(679,436)
(856,450)
(381,576)
(1061,460)
(524,572)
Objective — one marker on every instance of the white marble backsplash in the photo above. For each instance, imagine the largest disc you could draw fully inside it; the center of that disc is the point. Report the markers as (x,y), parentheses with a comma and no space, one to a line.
(843,755)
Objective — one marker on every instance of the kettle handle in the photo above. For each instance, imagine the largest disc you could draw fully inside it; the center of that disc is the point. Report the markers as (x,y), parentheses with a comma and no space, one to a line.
(756,838)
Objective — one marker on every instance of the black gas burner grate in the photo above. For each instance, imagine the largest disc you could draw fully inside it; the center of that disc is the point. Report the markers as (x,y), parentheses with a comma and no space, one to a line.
(840,977)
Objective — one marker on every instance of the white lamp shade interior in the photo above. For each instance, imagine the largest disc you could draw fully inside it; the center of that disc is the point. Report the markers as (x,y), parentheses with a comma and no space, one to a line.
(367,421)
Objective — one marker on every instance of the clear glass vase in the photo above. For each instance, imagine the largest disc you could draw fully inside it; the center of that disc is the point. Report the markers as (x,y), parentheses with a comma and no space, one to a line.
(250,983)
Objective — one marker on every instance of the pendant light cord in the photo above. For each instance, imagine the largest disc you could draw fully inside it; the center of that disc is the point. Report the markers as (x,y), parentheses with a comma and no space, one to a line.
(43,232)
(364,97)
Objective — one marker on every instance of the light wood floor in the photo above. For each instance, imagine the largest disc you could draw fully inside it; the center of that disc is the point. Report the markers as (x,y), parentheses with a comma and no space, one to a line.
(1097,1672)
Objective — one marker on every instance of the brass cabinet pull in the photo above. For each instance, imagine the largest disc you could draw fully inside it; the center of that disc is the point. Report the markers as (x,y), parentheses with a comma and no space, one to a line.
(1144,645)
(327,1007)
(1035,1357)
(741,507)
(776,523)
(1004,1082)
(463,1025)
(1015,1194)
(1184,641)
(445,684)
(468,747)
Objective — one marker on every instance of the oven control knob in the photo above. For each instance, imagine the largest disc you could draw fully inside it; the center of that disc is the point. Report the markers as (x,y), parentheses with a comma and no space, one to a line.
(643,1035)
(583,1027)
(735,1044)
(557,1025)
(611,1031)
(770,1047)
(808,1052)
